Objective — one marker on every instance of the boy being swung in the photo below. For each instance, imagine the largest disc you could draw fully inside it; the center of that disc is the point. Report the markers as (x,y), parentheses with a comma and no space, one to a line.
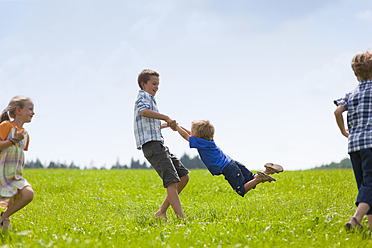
(147,131)
(239,177)
(358,104)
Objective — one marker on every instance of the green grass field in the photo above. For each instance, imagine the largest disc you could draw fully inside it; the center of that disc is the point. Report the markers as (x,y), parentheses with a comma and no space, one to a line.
(98,208)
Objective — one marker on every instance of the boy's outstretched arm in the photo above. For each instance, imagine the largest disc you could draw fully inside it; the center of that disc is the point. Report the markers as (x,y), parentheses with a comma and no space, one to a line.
(340,120)
(183,132)
(148,113)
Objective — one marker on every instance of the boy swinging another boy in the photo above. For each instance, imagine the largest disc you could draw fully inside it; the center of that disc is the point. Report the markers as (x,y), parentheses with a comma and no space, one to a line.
(147,131)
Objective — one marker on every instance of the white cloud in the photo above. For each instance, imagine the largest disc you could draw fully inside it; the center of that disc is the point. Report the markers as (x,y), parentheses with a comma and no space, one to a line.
(365,15)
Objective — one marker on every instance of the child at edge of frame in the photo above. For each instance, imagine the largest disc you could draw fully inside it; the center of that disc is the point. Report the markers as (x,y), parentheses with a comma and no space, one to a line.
(149,139)
(358,104)
(238,176)
(15,191)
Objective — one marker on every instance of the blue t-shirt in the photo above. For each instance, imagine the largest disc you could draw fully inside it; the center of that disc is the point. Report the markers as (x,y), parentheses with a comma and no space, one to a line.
(211,155)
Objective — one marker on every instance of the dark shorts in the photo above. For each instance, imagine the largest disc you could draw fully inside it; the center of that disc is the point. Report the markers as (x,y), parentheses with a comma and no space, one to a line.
(237,175)
(168,167)
(362,166)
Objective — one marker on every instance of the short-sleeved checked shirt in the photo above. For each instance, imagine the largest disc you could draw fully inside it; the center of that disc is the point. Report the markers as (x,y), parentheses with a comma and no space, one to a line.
(146,129)
(358,103)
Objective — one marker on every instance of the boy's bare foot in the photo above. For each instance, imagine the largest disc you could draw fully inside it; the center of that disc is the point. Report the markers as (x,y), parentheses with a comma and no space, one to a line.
(160,215)
(262,177)
(271,168)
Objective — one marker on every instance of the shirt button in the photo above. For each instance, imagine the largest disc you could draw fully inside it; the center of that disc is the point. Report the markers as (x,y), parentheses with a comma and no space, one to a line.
(238,174)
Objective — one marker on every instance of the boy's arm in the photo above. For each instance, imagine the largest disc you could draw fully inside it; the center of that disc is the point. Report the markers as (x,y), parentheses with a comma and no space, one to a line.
(164,125)
(183,132)
(148,113)
(340,120)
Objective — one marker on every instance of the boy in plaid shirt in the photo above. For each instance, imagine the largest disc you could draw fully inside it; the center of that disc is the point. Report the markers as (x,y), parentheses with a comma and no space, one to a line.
(358,104)
(147,131)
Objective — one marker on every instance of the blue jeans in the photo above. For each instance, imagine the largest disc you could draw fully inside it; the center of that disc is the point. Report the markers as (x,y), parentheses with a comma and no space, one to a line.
(362,166)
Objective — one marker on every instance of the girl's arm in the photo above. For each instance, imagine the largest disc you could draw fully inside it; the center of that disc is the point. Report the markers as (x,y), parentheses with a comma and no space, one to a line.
(340,120)
(17,137)
(183,132)
(6,143)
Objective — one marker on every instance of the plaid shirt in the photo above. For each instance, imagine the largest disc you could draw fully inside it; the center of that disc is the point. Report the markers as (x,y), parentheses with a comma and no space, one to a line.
(146,129)
(358,103)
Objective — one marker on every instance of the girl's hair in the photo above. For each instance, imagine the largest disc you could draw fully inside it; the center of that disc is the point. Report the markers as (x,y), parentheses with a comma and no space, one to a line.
(145,75)
(203,129)
(9,112)
(362,65)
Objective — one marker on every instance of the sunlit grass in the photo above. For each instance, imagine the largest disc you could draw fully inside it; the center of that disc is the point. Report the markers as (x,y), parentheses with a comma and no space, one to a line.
(98,208)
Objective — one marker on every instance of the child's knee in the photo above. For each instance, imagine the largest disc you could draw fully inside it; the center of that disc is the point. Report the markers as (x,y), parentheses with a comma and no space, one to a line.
(172,186)
(185,179)
(27,193)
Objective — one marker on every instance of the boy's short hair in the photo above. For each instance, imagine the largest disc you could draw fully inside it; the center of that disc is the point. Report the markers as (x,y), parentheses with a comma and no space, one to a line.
(145,75)
(203,129)
(362,65)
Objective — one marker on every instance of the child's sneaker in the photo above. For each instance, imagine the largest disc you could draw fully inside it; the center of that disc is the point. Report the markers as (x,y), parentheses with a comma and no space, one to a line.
(262,177)
(274,168)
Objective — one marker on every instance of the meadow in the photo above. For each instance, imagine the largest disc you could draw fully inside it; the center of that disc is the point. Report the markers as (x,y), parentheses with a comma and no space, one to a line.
(114,208)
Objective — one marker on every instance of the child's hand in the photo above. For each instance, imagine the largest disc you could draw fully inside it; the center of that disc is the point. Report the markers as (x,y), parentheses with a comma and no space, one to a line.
(19,135)
(172,124)
(346,133)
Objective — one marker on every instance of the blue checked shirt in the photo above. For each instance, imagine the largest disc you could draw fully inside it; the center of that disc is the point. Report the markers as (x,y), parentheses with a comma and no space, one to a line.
(358,103)
(146,129)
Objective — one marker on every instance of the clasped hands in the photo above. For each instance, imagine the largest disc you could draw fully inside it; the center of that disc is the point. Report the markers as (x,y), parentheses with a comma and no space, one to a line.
(172,124)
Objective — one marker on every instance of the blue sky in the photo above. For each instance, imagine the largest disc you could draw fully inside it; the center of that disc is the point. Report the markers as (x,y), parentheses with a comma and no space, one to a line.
(264,73)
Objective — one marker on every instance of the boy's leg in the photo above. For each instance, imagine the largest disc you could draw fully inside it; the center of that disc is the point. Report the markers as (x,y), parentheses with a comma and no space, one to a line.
(182,172)
(239,176)
(251,184)
(166,166)
(361,211)
(174,200)
(362,166)
(369,218)
(260,177)
(162,212)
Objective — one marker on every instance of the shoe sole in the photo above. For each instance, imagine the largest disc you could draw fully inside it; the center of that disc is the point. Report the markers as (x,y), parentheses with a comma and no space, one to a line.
(277,168)
(266,178)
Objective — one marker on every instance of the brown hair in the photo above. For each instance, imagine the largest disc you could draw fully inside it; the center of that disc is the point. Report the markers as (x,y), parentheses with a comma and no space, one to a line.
(362,65)
(145,75)
(9,112)
(203,129)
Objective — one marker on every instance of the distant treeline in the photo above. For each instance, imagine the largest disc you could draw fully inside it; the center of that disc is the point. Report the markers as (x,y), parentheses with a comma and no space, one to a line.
(344,164)
(190,163)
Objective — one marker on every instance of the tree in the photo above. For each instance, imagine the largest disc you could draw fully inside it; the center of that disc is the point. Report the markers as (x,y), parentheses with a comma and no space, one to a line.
(343,164)
(192,163)
(34,165)
(52,165)
(73,166)
(117,165)
(137,165)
